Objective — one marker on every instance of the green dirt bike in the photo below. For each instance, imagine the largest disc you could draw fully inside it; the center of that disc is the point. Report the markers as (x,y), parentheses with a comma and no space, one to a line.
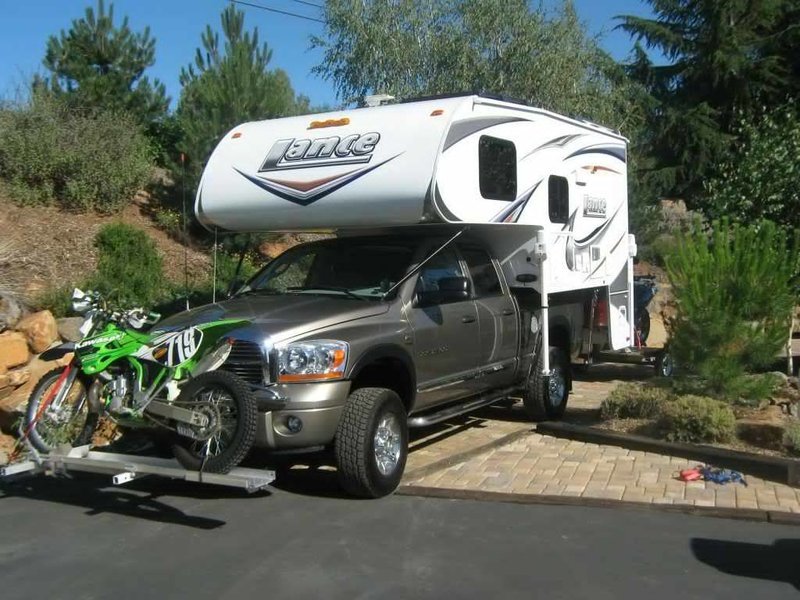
(159,378)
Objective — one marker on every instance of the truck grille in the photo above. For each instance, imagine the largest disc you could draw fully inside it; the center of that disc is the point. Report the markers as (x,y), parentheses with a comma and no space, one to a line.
(246,360)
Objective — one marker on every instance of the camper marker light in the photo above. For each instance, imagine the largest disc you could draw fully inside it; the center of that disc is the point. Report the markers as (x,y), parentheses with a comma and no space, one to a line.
(437,113)
(329,123)
(236,135)
(318,360)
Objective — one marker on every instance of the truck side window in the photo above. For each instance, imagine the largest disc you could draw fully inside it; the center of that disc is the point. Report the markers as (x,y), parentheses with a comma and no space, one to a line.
(443,265)
(497,168)
(558,199)
(481,269)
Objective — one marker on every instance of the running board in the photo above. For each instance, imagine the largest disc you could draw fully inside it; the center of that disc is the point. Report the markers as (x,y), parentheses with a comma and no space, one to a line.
(459,409)
(127,467)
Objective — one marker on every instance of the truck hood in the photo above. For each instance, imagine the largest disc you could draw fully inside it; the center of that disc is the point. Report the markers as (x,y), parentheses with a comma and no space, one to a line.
(280,317)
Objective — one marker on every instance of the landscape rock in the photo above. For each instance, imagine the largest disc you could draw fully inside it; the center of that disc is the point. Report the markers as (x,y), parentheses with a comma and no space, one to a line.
(17,377)
(69,328)
(15,402)
(11,311)
(7,444)
(41,330)
(13,349)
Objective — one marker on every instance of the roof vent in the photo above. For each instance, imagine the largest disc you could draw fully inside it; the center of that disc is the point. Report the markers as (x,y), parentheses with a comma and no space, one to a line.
(377,99)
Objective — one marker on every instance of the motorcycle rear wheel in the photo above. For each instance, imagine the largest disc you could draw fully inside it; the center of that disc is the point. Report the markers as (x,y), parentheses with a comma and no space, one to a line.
(231,408)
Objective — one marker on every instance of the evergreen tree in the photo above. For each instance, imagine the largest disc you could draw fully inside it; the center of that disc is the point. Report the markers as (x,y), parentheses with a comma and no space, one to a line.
(724,57)
(96,64)
(228,84)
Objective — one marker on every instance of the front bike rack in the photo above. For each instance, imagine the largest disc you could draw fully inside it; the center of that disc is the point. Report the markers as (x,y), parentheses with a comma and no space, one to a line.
(127,467)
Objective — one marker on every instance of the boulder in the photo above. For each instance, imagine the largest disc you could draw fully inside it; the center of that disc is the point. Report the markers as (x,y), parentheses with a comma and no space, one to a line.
(41,330)
(13,349)
(17,377)
(69,328)
(11,311)
(15,401)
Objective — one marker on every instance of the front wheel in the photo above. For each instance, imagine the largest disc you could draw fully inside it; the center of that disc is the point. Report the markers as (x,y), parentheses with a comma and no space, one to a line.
(230,432)
(54,418)
(371,443)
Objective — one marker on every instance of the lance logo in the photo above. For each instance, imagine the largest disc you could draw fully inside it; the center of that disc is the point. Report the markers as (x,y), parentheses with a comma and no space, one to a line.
(293,153)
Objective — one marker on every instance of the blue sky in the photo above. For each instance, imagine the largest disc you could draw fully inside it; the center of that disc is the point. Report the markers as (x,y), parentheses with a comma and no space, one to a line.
(177,24)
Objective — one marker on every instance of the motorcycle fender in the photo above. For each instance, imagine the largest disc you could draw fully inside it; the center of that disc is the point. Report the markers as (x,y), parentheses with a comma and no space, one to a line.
(58,351)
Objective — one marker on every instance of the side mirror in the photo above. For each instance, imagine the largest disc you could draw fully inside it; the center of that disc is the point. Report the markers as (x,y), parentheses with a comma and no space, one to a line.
(451,289)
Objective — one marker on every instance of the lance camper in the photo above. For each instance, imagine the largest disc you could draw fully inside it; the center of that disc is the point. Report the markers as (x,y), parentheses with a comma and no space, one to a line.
(477,241)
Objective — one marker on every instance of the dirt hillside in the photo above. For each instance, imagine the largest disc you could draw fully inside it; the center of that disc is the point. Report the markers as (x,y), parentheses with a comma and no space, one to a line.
(55,247)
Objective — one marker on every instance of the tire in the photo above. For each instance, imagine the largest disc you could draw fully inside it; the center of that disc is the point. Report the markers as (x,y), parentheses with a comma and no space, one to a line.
(643,326)
(373,424)
(545,398)
(665,364)
(76,424)
(228,397)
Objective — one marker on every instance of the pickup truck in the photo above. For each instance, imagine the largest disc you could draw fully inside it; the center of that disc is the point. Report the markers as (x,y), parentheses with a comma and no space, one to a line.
(355,339)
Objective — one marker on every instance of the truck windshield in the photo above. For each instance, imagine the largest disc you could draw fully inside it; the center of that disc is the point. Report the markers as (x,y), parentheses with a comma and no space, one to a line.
(349,267)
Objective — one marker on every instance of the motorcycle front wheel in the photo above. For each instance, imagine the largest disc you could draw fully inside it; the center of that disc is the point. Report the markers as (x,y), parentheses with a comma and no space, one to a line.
(229,405)
(49,422)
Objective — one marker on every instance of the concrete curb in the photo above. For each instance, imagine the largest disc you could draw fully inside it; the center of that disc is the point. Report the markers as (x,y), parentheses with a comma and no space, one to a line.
(779,470)
(460,457)
(742,514)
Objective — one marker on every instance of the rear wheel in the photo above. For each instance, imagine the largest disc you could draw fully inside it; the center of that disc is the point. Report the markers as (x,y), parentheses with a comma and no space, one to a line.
(228,403)
(371,443)
(52,421)
(546,397)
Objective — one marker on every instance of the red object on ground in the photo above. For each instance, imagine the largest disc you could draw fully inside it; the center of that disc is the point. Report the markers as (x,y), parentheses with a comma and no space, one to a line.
(691,474)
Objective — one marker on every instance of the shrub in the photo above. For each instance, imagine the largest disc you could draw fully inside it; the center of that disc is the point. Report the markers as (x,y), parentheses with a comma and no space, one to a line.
(81,159)
(58,300)
(129,269)
(734,294)
(791,437)
(697,419)
(634,401)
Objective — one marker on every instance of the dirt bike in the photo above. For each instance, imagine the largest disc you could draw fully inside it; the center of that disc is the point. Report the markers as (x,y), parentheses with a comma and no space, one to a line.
(165,379)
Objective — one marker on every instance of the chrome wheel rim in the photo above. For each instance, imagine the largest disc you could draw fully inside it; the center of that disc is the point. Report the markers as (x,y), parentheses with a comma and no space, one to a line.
(387,444)
(556,387)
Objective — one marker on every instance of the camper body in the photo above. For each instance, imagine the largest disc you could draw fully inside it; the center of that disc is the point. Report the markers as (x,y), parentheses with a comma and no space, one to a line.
(477,241)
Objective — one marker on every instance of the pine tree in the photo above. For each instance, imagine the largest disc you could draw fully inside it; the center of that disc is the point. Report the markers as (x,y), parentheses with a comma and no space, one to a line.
(723,58)
(98,65)
(229,83)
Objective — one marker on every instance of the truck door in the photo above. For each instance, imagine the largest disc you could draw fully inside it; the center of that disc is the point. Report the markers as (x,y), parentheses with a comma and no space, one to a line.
(446,334)
(497,320)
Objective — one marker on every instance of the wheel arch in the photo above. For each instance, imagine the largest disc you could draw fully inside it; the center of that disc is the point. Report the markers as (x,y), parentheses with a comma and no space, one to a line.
(388,366)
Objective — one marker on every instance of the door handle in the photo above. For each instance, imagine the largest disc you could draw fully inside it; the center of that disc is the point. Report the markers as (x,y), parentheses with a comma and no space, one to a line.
(467,319)
(508,312)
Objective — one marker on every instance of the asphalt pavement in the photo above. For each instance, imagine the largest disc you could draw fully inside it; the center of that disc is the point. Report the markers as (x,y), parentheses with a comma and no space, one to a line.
(85,539)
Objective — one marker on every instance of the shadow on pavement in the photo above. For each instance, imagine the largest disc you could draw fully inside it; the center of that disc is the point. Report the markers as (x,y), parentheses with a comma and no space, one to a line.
(88,492)
(778,562)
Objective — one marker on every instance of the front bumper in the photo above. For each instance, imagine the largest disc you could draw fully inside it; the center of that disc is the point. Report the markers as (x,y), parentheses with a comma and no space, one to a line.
(317,405)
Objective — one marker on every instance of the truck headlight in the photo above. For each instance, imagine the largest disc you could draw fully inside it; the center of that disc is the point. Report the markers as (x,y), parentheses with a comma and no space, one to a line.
(320,360)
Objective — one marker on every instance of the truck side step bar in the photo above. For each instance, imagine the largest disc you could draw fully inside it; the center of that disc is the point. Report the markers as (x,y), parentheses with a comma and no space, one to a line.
(126,467)
(454,410)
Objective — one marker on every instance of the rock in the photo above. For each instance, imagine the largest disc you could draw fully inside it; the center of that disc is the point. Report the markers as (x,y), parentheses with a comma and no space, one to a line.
(7,444)
(68,328)
(15,401)
(41,330)
(19,376)
(13,349)
(11,311)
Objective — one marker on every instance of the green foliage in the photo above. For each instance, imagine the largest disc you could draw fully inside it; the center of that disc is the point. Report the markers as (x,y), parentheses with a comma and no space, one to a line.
(99,65)
(58,300)
(721,57)
(634,401)
(421,47)
(697,419)
(734,292)
(791,437)
(129,268)
(228,84)
(761,177)
(83,159)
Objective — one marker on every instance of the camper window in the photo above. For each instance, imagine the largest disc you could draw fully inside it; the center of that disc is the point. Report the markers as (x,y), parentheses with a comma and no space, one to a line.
(497,167)
(559,199)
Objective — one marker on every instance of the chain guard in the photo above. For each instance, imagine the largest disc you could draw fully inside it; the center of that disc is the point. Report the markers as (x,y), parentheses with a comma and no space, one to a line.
(205,433)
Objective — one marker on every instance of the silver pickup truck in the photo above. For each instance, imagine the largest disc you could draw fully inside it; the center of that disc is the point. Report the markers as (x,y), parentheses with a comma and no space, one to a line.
(355,339)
